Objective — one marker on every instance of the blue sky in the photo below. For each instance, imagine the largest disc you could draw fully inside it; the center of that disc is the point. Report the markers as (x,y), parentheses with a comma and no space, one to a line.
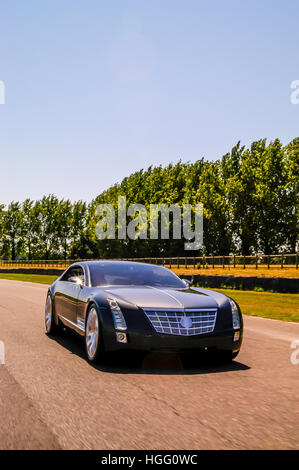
(96,90)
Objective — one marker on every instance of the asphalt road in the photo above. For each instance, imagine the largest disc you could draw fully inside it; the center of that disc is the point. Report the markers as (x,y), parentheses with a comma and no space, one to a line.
(51,398)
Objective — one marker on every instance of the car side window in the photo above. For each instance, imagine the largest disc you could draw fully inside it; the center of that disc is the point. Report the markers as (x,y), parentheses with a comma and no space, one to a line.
(66,275)
(75,271)
(80,274)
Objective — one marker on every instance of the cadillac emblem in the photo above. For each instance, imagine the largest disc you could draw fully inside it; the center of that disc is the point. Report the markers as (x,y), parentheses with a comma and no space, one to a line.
(186,322)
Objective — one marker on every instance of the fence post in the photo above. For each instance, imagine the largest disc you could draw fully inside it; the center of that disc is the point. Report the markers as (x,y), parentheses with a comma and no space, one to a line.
(281,261)
(296,260)
(268,262)
(256,260)
(244,262)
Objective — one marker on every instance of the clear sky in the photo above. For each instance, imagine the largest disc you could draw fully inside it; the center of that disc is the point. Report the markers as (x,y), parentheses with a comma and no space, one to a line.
(96,90)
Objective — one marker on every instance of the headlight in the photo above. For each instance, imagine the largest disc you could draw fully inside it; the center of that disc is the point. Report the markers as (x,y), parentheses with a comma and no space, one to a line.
(235,315)
(118,318)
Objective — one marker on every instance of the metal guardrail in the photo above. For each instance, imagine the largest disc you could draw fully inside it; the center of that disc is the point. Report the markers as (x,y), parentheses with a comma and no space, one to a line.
(282,261)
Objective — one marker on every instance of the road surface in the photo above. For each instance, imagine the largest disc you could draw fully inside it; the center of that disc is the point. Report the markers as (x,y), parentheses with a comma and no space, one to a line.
(51,398)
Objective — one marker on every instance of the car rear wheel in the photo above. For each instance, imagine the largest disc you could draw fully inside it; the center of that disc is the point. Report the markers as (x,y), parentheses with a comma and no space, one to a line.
(93,338)
(51,327)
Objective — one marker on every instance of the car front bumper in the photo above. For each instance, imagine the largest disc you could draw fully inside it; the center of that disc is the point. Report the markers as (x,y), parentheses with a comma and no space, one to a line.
(220,340)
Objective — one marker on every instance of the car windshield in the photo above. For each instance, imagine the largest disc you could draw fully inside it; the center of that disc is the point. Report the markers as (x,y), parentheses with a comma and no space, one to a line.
(138,274)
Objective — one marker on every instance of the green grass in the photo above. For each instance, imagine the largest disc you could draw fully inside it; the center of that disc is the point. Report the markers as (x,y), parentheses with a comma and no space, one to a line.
(266,304)
(261,304)
(40,278)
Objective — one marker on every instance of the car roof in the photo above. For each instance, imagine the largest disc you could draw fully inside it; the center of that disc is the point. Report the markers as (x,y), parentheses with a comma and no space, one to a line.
(95,262)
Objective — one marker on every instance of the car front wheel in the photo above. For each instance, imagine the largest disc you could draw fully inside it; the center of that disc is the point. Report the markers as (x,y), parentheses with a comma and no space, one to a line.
(93,338)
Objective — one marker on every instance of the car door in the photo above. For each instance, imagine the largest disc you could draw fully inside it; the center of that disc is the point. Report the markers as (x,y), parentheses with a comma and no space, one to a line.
(67,294)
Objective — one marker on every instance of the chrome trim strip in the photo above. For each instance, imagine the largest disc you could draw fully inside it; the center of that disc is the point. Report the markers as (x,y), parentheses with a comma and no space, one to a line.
(81,323)
(171,296)
(72,323)
(180,309)
(163,309)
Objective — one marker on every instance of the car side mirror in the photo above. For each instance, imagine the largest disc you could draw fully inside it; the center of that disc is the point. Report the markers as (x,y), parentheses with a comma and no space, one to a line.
(188,282)
(76,280)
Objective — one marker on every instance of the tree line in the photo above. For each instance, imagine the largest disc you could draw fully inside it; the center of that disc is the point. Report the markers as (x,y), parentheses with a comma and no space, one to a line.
(249,196)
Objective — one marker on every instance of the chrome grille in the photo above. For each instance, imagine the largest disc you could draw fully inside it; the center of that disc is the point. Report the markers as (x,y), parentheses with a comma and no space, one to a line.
(182,322)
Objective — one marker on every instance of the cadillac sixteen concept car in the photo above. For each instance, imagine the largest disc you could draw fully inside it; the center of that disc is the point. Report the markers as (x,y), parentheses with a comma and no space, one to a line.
(123,305)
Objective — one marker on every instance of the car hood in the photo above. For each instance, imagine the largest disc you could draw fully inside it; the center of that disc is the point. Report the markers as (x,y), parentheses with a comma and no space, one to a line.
(153,297)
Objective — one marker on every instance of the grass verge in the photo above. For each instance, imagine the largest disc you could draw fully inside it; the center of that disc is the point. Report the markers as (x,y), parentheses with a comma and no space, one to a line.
(40,278)
(266,304)
(239,272)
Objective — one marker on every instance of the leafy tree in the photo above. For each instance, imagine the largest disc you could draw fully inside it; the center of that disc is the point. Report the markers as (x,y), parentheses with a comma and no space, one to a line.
(211,192)
(29,227)
(12,228)
(239,178)
(64,225)
(291,206)
(270,198)
(47,216)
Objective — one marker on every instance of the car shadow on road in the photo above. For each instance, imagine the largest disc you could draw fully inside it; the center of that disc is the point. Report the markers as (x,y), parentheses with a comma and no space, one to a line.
(158,362)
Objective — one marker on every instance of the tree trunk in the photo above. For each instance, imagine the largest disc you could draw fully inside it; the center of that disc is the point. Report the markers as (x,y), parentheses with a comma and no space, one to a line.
(13,249)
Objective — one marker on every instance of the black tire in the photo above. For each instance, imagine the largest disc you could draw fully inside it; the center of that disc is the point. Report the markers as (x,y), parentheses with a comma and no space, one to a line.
(52,328)
(95,351)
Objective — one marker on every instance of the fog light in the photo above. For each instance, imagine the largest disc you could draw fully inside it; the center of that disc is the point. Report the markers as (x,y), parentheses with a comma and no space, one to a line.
(121,337)
(237,336)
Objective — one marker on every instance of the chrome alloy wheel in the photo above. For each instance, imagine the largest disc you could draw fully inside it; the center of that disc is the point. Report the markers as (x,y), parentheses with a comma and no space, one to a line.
(48,314)
(92,333)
